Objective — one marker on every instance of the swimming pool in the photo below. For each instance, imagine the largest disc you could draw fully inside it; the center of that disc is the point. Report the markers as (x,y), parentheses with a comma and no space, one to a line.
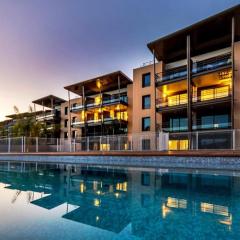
(39,201)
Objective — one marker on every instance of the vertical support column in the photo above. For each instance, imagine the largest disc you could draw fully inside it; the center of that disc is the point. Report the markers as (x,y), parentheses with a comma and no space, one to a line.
(36,144)
(189,89)
(84,115)
(234,139)
(69,117)
(233,71)
(9,145)
(155,91)
(119,95)
(155,99)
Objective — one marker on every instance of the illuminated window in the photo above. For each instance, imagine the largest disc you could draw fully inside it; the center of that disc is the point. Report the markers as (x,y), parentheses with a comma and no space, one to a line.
(178,144)
(183,145)
(207,94)
(183,98)
(173,144)
(173,100)
(222,92)
(105,147)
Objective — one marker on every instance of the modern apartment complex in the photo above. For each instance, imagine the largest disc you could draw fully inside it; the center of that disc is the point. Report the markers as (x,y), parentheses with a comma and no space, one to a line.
(191,91)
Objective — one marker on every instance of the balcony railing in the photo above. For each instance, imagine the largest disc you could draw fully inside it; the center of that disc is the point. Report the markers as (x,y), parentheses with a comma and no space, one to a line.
(202,96)
(172,101)
(98,121)
(105,102)
(198,67)
(45,117)
(212,94)
(200,126)
(212,64)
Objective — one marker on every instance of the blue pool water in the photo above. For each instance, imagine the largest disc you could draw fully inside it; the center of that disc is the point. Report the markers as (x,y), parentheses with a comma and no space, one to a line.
(78,202)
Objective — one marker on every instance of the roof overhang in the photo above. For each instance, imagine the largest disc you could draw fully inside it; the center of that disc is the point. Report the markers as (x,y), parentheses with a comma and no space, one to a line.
(49,101)
(210,34)
(98,84)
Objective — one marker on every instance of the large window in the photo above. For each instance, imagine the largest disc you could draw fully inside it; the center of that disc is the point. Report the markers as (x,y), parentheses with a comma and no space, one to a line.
(146,124)
(215,121)
(146,80)
(178,124)
(146,102)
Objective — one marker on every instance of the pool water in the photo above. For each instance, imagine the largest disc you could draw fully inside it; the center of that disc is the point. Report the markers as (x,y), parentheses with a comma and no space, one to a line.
(88,202)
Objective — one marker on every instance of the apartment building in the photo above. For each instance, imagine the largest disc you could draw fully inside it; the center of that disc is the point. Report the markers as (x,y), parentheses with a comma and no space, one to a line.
(102,107)
(193,84)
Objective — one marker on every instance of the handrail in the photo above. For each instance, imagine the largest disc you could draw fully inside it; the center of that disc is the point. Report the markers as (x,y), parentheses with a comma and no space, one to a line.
(198,67)
(181,99)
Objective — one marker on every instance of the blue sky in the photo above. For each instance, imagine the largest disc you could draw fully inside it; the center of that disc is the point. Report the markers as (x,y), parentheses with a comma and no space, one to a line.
(48,44)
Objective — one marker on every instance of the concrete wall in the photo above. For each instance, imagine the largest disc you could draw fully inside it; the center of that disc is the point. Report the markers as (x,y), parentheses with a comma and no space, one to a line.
(66,117)
(138,92)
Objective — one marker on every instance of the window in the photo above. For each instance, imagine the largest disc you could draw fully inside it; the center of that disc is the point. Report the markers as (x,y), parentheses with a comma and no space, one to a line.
(146,80)
(66,110)
(146,102)
(65,134)
(73,134)
(178,124)
(73,119)
(66,123)
(146,124)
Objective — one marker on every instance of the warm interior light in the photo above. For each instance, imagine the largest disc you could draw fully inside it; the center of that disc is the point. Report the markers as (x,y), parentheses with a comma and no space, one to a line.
(98,83)
(96,202)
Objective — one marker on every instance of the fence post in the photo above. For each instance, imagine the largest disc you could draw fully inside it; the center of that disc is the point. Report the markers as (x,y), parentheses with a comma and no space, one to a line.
(233,139)
(74,145)
(9,145)
(118,143)
(88,144)
(100,143)
(36,144)
(70,144)
(22,144)
(109,148)
(197,140)
(57,144)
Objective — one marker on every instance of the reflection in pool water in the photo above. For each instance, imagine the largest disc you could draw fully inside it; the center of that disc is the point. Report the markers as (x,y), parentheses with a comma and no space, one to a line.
(80,202)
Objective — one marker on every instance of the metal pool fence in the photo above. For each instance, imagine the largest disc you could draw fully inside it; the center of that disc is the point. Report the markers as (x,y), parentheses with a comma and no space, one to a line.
(151,141)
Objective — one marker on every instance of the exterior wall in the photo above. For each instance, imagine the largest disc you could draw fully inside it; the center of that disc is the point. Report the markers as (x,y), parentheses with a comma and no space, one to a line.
(130,108)
(138,92)
(66,117)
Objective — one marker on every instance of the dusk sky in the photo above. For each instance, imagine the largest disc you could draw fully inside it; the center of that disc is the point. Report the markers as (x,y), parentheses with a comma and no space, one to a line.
(48,44)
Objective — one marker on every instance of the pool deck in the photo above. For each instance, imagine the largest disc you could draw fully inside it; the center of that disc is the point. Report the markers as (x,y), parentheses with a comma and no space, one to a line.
(201,159)
(195,153)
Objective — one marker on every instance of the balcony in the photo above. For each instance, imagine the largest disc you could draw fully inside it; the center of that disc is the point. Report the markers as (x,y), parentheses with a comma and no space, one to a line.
(212,95)
(198,68)
(212,64)
(205,96)
(211,126)
(95,122)
(45,117)
(172,102)
(105,102)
